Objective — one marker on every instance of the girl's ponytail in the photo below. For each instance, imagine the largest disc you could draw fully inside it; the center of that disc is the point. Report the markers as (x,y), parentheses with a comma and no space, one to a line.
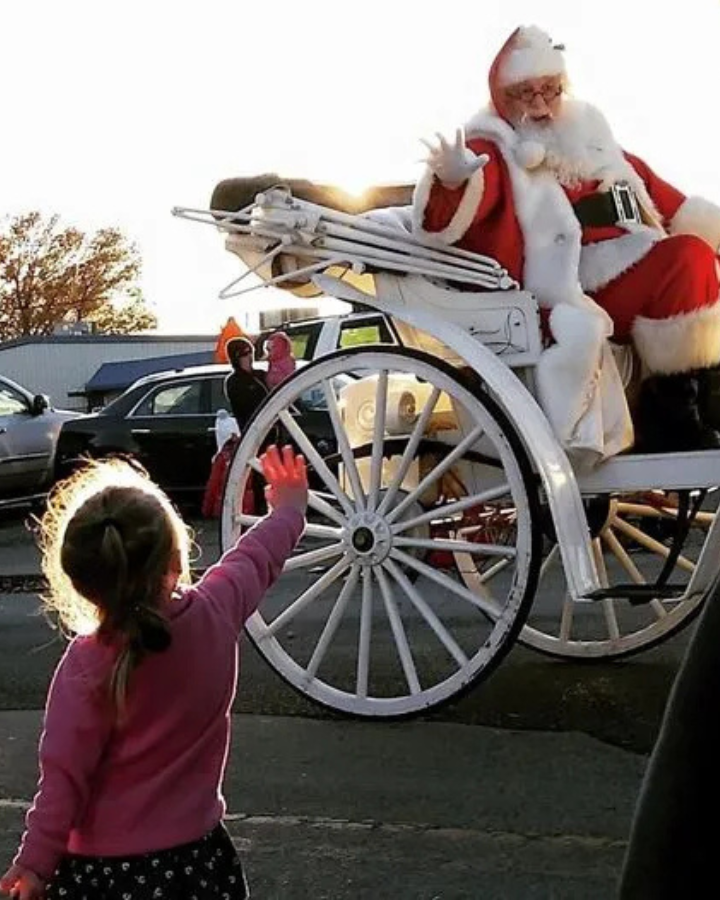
(146,631)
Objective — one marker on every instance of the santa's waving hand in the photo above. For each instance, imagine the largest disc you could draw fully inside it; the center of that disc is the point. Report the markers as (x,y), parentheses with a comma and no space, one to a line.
(453,163)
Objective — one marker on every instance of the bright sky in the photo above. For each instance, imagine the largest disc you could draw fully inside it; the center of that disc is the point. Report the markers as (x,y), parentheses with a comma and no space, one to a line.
(115,112)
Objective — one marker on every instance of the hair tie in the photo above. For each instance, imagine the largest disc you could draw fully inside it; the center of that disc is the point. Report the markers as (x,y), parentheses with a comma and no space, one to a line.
(153,632)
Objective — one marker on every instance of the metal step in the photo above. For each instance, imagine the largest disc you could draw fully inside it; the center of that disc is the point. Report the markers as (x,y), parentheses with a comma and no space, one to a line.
(19,502)
(637,594)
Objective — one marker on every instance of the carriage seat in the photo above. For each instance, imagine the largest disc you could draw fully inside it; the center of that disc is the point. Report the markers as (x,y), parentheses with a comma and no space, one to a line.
(237,193)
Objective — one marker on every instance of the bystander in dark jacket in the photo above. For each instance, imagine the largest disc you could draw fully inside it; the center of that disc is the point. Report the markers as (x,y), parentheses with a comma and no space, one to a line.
(245,386)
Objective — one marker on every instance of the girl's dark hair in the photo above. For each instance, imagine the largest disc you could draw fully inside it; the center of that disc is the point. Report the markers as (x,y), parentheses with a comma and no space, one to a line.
(110,540)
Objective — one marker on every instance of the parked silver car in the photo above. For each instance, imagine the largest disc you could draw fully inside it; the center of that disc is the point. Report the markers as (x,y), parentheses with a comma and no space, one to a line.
(29,429)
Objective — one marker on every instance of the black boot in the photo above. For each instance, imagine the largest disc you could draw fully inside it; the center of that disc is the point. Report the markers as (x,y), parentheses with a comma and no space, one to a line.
(709,395)
(668,418)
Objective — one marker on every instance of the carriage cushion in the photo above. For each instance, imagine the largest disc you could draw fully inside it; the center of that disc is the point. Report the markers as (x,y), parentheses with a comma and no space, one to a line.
(236,193)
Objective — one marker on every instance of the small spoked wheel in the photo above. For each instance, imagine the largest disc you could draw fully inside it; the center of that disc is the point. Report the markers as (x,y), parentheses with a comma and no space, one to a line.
(370,616)
(634,538)
(633,544)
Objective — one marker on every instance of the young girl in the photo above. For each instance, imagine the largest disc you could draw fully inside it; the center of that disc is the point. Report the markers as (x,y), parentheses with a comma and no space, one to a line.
(137,724)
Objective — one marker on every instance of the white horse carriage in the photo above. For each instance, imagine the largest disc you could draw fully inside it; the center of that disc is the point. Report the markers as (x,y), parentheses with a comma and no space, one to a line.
(447,502)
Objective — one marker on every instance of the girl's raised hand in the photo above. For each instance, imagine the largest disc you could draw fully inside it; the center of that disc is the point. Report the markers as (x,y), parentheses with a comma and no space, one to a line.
(286,478)
(22,884)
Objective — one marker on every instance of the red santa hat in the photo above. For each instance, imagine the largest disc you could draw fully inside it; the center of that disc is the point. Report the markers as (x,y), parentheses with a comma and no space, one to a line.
(528,53)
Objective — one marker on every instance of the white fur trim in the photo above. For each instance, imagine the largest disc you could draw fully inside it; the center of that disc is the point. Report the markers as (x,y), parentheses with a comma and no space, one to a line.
(605,260)
(699,217)
(550,230)
(580,389)
(553,267)
(392,216)
(581,330)
(533,56)
(552,237)
(530,154)
(463,216)
(487,123)
(567,370)
(679,343)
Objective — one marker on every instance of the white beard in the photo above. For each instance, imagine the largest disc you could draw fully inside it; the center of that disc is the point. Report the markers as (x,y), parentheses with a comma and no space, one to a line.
(579,145)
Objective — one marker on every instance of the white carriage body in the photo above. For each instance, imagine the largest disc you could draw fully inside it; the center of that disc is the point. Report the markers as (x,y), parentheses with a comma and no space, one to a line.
(490,326)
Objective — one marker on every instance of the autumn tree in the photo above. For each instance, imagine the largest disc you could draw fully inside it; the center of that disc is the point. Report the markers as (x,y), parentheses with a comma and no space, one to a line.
(51,275)
(124,316)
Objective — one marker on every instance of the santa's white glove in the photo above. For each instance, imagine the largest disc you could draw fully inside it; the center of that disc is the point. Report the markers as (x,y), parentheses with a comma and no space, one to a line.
(453,163)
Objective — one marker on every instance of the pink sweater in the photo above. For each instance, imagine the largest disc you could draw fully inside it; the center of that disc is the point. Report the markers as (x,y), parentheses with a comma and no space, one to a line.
(155,780)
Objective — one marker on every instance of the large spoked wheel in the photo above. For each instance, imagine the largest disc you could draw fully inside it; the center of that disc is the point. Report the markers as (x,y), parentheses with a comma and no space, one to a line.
(368,617)
(633,538)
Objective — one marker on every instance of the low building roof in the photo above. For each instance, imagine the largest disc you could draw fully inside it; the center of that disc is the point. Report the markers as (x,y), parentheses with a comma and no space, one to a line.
(112,376)
(149,338)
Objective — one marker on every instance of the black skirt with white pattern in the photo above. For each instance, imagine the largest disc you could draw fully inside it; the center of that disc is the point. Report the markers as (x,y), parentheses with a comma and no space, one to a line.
(207,868)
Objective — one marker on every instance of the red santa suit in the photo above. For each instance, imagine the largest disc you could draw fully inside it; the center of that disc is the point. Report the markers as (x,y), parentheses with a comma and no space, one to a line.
(595,235)
(656,278)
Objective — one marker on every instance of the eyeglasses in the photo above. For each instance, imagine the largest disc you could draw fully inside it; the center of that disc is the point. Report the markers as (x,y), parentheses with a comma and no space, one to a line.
(548,92)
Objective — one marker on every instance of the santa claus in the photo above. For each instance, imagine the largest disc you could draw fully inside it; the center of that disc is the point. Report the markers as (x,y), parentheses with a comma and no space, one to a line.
(538,181)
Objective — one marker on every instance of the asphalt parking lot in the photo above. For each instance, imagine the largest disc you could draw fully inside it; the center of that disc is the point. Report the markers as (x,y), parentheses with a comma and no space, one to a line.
(523,789)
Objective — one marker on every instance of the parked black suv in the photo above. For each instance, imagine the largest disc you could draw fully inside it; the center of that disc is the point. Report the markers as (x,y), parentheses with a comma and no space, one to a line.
(167,422)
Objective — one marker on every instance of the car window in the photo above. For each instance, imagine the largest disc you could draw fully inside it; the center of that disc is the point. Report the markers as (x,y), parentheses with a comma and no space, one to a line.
(11,403)
(303,338)
(179,399)
(354,333)
(218,400)
(300,343)
(314,397)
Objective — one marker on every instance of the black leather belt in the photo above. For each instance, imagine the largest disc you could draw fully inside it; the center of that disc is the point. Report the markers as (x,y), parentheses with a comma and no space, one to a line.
(618,206)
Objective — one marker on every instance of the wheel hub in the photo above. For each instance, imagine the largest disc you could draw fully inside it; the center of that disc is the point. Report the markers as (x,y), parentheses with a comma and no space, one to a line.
(363,539)
(368,538)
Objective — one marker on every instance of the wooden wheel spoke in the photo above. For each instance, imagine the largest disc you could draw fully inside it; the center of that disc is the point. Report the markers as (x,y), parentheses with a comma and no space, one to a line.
(398,630)
(307,597)
(333,622)
(443,635)
(649,543)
